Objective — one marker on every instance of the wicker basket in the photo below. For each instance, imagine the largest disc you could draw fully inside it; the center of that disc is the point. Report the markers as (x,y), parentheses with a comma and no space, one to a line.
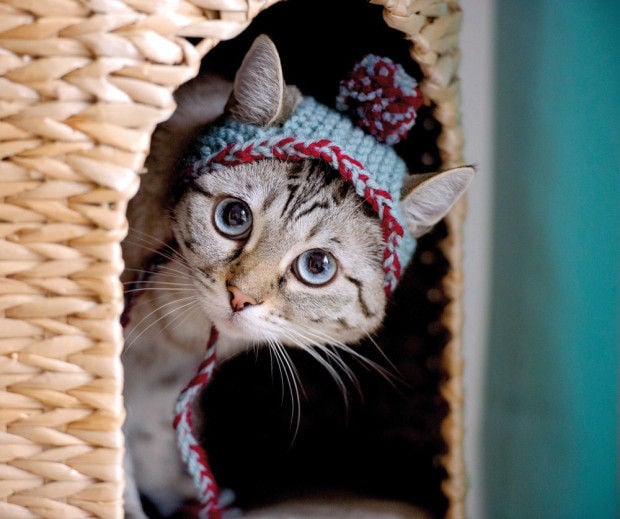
(83,84)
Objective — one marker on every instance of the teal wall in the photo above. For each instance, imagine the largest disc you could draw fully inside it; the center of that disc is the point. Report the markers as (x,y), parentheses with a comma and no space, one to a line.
(551,425)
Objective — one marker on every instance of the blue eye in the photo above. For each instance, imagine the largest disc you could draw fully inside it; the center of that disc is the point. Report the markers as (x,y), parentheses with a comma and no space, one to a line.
(315,267)
(233,218)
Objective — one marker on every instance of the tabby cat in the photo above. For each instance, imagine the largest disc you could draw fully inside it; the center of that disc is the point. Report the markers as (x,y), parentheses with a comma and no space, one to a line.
(275,253)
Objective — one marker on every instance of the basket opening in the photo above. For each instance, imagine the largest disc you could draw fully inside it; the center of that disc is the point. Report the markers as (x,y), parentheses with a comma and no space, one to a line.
(387,443)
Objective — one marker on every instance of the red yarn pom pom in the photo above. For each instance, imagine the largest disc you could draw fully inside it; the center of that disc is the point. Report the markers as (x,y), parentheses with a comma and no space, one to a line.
(381,98)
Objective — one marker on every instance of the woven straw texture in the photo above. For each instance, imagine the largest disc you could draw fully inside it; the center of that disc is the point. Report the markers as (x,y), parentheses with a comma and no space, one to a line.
(82,85)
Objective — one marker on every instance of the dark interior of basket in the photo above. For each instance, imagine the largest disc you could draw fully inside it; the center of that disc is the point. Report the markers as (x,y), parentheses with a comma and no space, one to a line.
(384,439)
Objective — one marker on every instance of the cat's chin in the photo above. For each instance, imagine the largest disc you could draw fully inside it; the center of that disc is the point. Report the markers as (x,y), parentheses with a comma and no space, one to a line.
(232,329)
(238,335)
(240,328)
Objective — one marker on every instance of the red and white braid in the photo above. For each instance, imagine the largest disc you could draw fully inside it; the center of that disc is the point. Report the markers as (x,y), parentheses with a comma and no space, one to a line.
(192,453)
(351,170)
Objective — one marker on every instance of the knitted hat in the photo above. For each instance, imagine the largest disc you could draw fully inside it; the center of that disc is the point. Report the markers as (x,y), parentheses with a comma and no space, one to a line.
(381,98)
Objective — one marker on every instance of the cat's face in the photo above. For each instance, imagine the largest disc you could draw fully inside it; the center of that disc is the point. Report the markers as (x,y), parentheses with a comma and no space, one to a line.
(296,239)
(284,251)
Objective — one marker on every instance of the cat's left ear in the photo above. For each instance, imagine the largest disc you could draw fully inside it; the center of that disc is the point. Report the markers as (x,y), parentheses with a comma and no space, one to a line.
(260,96)
(427,198)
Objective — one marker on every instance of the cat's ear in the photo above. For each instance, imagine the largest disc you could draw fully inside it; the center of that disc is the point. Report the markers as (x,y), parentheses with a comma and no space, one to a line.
(427,198)
(260,95)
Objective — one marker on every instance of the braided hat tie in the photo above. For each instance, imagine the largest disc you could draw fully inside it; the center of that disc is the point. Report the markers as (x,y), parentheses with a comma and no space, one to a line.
(192,453)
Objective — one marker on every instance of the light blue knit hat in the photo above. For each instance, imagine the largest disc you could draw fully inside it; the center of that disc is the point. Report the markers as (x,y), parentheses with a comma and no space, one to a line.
(315,131)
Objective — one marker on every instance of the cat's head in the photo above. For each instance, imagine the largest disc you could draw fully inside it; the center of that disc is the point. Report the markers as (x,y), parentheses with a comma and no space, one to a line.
(290,217)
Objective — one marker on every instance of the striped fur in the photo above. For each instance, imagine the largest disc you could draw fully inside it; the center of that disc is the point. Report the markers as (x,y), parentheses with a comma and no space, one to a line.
(296,206)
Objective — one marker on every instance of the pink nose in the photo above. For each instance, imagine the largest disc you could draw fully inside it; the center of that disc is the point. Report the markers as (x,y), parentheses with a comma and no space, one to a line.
(239,300)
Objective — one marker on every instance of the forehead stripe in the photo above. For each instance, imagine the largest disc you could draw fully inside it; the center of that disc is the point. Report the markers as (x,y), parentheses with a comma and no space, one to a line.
(292,149)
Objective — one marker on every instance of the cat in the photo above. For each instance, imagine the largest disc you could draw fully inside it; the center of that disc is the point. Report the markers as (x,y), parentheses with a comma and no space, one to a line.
(274,253)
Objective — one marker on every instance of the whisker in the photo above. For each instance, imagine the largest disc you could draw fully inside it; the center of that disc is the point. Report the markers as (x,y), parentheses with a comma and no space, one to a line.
(165,250)
(274,350)
(184,314)
(146,281)
(397,373)
(346,369)
(386,374)
(156,299)
(155,310)
(168,268)
(144,236)
(270,350)
(256,346)
(285,368)
(158,269)
(333,356)
(294,370)
(154,289)
(293,389)
(364,361)
(192,299)
(330,369)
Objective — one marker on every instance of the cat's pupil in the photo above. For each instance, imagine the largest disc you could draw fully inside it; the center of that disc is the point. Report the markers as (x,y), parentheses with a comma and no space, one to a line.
(317,262)
(236,215)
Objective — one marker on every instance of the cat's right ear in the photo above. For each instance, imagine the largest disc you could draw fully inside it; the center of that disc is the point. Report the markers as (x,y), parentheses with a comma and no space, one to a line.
(427,198)
(260,95)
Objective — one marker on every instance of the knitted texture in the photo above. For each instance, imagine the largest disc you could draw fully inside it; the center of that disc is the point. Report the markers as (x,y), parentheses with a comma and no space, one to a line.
(380,97)
(315,131)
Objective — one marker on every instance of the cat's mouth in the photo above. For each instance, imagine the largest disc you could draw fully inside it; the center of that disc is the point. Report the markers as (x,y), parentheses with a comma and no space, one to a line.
(234,324)
(245,325)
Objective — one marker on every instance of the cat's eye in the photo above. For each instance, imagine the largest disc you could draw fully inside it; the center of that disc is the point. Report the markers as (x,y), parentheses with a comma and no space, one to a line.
(315,267)
(233,218)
